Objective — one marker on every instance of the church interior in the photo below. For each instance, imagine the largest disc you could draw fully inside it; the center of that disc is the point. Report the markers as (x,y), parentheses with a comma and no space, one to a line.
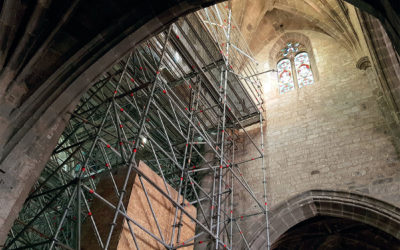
(200,124)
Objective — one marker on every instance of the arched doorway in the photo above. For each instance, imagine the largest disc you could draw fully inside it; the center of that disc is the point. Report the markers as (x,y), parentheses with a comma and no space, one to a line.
(38,123)
(308,210)
(327,232)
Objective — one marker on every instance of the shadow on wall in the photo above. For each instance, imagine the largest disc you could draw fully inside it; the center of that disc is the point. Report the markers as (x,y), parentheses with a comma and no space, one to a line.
(339,204)
(328,232)
(29,134)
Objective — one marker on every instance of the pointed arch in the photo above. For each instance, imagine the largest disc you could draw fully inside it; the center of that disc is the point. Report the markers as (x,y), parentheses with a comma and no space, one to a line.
(276,53)
(341,204)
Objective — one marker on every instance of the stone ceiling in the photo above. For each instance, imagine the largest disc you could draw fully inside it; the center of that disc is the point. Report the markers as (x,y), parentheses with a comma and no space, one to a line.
(262,22)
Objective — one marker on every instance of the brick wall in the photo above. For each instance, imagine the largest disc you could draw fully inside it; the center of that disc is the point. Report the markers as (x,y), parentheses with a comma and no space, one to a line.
(138,208)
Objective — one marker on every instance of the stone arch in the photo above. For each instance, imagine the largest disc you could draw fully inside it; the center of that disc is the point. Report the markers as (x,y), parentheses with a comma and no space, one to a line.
(298,37)
(30,130)
(321,15)
(388,12)
(341,204)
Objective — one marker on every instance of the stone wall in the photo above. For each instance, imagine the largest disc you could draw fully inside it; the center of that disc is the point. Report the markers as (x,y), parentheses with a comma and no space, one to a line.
(56,56)
(329,136)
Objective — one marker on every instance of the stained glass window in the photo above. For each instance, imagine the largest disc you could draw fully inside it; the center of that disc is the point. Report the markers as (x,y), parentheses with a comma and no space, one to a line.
(290,48)
(303,70)
(285,76)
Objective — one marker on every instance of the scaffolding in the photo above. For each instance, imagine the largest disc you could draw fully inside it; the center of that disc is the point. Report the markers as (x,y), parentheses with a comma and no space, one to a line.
(178,102)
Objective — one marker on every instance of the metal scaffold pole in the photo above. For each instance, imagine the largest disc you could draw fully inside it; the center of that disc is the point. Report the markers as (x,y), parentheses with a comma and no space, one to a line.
(177,103)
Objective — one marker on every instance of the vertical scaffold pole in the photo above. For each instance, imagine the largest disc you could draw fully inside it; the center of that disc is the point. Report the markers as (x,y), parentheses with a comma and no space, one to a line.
(264,169)
(131,161)
(223,128)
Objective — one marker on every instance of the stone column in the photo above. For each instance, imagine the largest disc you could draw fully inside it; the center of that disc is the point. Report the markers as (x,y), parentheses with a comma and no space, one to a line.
(384,99)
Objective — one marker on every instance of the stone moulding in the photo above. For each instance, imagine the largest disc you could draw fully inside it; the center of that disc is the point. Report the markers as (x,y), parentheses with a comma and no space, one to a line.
(341,204)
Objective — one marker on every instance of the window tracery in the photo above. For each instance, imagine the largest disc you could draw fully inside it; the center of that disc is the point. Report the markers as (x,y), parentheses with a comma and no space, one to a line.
(294,68)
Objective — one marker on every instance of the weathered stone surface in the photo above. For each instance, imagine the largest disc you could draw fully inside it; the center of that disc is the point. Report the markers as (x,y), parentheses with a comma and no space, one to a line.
(331,135)
(38,91)
(348,206)
(68,45)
